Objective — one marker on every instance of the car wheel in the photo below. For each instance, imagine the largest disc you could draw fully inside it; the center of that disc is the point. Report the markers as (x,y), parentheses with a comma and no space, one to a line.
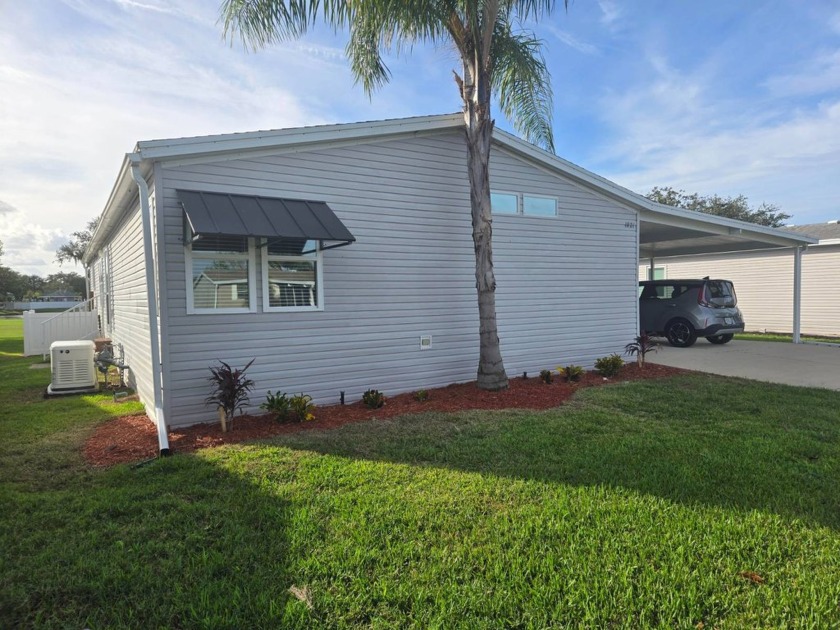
(720,339)
(680,333)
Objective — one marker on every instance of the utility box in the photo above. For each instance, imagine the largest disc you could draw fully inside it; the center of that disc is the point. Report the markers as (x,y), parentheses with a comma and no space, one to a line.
(72,367)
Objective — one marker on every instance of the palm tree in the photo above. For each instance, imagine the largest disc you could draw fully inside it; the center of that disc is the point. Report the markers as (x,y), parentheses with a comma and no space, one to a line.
(494,57)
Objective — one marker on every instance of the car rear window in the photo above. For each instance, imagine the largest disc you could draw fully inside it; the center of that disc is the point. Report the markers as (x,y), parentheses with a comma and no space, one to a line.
(721,293)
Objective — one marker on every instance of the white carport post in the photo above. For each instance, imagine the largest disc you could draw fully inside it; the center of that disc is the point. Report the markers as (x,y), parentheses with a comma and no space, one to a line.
(651,261)
(797,291)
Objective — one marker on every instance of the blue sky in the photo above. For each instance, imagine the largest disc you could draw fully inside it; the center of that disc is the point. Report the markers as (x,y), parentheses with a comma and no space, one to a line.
(712,97)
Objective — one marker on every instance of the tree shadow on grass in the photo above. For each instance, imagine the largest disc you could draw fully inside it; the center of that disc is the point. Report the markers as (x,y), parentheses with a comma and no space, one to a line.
(692,440)
(181,542)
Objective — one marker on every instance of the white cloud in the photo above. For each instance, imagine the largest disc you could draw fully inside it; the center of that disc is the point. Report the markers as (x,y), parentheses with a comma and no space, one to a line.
(677,128)
(834,22)
(132,4)
(677,131)
(72,106)
(820,75)
(28,247)
(611,12)
(571,41)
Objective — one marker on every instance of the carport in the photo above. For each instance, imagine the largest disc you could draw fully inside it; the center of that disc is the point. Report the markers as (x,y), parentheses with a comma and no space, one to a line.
(665,231)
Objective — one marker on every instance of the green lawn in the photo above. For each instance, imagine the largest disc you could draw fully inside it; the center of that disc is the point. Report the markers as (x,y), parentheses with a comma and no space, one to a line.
(641,505)
(783,337)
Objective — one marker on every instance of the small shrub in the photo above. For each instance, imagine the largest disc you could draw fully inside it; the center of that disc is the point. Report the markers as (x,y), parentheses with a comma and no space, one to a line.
(609,366)
(421,395)
(572,373)
(373,399)
(301,408)
(546,376)
(289,408)
(230,390)
(277,404)
(640,347)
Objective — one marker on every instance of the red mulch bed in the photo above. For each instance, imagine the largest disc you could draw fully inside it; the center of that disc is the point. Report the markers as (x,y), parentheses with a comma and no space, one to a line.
(134,438)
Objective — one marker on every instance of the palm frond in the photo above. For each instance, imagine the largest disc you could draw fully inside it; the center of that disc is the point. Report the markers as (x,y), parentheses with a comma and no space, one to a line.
(366,63)
(260,23)
(378,26)
(523,84)
(533,9)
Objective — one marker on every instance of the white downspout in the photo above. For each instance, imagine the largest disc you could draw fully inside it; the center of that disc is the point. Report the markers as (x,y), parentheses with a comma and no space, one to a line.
(797,293)
(151,293)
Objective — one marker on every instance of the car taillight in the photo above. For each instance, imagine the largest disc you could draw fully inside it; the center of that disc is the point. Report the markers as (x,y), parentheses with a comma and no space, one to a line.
(702,297)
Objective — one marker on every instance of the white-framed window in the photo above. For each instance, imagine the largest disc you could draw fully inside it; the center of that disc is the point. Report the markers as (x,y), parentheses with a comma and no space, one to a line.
(659,273)
(292,272)
(221,275)
(518,203)
(539,206)
(504,203)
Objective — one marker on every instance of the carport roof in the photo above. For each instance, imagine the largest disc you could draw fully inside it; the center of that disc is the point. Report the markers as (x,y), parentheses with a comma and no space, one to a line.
(666,230)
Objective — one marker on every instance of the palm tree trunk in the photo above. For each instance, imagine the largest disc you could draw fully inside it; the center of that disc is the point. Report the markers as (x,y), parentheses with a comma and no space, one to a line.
(491,370)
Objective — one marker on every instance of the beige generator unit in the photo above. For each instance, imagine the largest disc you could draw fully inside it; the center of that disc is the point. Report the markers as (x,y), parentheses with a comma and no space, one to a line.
(72,367)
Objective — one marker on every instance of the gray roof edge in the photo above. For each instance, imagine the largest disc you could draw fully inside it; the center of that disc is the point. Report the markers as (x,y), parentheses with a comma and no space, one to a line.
(150,151)
(827,233)
(179,148)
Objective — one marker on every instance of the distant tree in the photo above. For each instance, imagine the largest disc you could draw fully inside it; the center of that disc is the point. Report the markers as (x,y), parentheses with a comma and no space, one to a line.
(75,249)
(33,286)
(11,283)
(67,282)
(732,207)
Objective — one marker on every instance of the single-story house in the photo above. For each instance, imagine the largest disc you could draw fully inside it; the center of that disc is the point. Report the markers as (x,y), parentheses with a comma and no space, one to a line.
(60,296)
(340,258)
(764,281)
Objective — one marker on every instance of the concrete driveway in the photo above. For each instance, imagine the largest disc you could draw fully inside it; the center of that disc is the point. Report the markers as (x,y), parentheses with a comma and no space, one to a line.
(788,363)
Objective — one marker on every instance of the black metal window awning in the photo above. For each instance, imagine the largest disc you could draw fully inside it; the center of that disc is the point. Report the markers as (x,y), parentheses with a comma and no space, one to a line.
(274,219)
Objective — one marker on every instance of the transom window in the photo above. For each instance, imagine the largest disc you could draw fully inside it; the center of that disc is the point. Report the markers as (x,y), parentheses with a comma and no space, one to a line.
(504,203)
(517,203)
(220,272)
(292,275)
(539,206)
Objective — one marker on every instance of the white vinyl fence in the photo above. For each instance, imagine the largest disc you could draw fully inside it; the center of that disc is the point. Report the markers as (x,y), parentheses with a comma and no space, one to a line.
(40,330)
(40,306)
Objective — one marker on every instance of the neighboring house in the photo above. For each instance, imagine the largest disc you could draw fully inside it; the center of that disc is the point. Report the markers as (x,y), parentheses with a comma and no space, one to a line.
(60,296)
(764,281)
(341,258)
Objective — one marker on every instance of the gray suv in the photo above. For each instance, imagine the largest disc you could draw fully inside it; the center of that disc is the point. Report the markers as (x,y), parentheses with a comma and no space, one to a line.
(683,310)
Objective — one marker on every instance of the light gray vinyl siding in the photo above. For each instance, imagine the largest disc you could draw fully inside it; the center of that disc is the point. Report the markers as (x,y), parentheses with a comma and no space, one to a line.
(130,319)
(764,286)
(566,285)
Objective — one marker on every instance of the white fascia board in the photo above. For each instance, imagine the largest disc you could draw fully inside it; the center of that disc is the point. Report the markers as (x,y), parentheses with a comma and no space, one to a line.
(290,149)
(121,194)
(650,210)
(256,140)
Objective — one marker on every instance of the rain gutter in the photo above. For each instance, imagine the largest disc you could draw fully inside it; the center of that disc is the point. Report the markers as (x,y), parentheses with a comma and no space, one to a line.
(151,293)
